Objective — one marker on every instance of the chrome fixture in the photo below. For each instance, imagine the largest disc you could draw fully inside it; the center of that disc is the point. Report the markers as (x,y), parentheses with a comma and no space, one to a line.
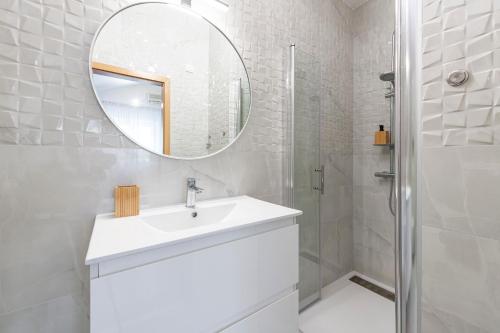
(387,77)
(390,94)
(384,174)
(458,78)
(321,187)
(192,190)
(407,118)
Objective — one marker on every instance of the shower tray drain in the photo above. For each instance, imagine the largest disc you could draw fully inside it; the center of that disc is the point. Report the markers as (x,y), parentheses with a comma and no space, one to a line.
(373,287)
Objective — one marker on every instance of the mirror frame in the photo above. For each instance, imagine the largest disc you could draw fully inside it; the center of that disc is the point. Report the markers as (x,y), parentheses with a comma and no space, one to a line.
(157,78)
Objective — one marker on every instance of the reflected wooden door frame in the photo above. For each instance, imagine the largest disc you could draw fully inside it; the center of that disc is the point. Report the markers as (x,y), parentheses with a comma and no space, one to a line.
(163,80)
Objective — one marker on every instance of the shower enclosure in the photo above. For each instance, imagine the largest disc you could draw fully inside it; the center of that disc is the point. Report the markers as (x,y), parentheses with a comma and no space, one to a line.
(305,175)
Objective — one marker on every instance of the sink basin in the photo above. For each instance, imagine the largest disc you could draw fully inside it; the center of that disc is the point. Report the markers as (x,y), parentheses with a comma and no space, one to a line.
(188,218)
(165,226)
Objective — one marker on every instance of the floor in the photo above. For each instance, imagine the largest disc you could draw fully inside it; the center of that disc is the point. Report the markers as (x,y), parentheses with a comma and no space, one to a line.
(347,307)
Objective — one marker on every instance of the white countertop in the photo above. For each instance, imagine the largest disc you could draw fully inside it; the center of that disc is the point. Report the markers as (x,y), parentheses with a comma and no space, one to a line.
(115,237)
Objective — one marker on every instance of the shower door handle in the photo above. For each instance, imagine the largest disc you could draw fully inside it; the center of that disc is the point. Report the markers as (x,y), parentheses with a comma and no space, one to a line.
(321,172)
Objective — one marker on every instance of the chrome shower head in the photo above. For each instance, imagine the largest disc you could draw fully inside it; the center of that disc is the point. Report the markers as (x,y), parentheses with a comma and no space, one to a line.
(387,77)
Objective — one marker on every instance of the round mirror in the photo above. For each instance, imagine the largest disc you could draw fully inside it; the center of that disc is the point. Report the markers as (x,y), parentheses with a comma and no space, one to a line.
(170,80)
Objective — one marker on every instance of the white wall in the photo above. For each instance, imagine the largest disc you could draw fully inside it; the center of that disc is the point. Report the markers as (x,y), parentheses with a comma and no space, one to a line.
(461,180)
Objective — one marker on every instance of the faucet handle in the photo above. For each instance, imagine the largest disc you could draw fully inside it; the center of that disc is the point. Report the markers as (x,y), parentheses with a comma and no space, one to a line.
(191,182)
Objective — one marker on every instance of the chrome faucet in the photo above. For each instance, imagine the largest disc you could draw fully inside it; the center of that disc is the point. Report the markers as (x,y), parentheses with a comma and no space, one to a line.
(192,190)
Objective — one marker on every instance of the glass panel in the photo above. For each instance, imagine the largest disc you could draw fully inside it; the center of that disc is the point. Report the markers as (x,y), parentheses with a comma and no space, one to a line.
(306,161)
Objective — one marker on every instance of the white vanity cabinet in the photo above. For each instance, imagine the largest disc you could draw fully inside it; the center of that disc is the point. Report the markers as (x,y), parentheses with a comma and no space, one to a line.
(232,286)
(241,280)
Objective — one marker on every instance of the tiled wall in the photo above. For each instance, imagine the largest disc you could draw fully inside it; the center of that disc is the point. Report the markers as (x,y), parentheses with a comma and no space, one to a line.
(373,222)
(335,52)
(61,158)
(461,35)
(461,179)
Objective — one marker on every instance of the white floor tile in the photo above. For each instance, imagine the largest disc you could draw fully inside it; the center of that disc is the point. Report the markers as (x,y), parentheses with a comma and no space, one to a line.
(349,308)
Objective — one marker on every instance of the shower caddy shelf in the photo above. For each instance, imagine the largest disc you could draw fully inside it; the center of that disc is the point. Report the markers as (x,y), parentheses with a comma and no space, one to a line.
(385,174)
(390,145)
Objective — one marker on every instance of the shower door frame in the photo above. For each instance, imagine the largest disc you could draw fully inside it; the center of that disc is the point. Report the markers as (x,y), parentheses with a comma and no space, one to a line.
(408,15)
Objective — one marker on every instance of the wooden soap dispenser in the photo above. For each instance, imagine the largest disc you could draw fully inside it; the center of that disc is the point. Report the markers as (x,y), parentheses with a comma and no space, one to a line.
(126,200)
(382,137)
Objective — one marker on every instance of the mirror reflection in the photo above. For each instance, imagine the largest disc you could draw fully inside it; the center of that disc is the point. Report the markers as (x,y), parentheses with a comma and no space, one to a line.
(170,80)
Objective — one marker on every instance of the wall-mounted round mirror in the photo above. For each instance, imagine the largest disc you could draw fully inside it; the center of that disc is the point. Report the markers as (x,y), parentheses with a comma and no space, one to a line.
(170,80)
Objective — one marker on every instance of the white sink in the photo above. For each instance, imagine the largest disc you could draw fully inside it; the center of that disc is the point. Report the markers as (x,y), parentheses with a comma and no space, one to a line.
(188,218)
(160,227)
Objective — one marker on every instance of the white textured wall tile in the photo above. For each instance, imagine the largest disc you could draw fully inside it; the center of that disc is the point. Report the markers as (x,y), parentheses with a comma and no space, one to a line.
(432,123)
(460,174)
(479,117)
(480,136)
(454,52)
(432,139)
(450,4)
(454,18)
(454,137)
(454,103)
(454,119)
(480,98)
(432,108)
(432,43)
(9,119)
(453,36)
(432,28)
(9,136)
(481,81)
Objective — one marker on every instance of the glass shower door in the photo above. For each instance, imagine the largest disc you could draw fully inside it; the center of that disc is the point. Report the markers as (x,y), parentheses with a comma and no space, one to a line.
(306,170)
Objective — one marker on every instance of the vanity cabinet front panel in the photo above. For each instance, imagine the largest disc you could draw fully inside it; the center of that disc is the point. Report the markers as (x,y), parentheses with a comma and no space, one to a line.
(279,317)
(201,291)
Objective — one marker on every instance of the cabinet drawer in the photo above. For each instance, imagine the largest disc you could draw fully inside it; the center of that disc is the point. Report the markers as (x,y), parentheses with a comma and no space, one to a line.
(202,291)
(280,317)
